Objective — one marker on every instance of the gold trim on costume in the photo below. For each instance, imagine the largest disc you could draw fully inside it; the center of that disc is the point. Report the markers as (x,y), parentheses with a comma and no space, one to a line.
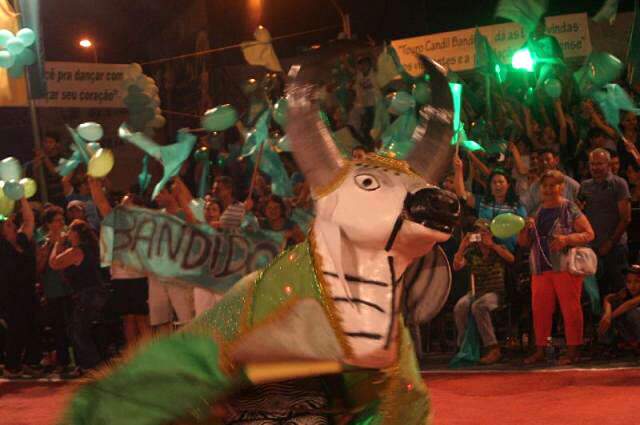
(391,163)
(325,293)
(320,192)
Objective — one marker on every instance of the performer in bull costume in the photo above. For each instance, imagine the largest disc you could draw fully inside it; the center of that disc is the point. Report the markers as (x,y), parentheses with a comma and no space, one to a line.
(319,334)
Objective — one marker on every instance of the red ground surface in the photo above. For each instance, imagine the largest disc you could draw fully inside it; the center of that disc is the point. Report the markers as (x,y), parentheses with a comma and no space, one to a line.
(522,398)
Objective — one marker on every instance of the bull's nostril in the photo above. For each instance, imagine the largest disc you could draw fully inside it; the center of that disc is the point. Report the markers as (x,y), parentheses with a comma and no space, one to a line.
(433,207)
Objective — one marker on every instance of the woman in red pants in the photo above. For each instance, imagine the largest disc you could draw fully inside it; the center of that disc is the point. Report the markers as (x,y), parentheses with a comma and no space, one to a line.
(555,226)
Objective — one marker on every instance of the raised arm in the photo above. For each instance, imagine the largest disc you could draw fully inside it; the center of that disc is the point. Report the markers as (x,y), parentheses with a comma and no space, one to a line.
(562,122)
(61,258)
(98,196)
(458,182)
(183,197)
(521,167)
(28,221)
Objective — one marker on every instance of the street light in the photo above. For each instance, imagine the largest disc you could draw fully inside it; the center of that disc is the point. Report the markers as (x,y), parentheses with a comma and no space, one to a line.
(85,43)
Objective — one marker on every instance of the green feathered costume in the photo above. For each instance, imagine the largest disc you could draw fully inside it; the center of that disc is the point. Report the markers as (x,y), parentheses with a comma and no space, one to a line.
(284,315)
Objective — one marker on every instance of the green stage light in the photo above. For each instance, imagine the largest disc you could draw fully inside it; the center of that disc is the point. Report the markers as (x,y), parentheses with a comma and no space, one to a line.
(522,60)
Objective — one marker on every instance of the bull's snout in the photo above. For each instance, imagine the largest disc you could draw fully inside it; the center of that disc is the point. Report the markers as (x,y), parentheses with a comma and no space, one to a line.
(434,208)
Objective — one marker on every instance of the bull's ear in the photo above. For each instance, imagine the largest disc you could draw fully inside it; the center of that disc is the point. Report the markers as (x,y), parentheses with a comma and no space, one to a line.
(433,153)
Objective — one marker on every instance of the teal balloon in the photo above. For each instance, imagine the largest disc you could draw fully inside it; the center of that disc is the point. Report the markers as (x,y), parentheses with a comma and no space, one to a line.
(6,59)
(90,131)
(402,102)
(421,92)
(16,71)
(506,225)
(13,190)
(280,110)
(26,58)
(10,169)
(472,146)
(219,118)
(5,36)
(553,88)
(27,36)
(604,68)
(15,46)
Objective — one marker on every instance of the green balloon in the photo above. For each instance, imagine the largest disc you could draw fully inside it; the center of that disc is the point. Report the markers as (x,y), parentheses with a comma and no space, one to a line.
(421,92)
(6,59)
(27,36)
(506,225)
(26,58)
(13,190)
(5,36)
(553,88)
(280,110)
(219,118)
(604,68)
(15,46)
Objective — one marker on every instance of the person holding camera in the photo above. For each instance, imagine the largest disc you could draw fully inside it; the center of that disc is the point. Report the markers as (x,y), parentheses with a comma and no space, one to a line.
(487,260)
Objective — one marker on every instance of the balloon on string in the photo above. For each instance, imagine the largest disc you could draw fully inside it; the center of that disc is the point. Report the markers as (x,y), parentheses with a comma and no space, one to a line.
(100,163)
(10,169)
(90,131)
(26,58)
(605,67)
(506,225)
(13,190)
(29,186)
(6,59)
(6,204)
(16,71)
(26,36)
(5,36)
(401,102)
(219,118)
(280,111)
(553,88)
(15,46)
(421,92)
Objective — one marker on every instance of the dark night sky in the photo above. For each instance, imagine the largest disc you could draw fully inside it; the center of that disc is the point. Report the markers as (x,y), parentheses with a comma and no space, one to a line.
(121,27)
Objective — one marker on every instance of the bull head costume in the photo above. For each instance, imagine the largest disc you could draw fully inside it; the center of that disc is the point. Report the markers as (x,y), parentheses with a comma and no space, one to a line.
(328,307)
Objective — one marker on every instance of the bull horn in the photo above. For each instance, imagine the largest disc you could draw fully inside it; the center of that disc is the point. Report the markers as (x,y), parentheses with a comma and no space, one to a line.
(312,144)
(432,155)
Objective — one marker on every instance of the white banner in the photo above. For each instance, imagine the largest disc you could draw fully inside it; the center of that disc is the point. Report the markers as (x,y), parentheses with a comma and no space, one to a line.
(84,85)
(456,50)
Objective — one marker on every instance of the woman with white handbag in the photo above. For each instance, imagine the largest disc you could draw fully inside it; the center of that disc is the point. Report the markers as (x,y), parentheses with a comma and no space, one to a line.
(553,232)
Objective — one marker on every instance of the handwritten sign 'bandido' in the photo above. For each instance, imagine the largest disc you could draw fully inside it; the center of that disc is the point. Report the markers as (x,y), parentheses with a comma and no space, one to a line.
(164,245)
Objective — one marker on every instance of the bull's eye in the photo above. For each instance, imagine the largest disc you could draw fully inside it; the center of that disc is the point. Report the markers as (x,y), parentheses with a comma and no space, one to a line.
(367,182)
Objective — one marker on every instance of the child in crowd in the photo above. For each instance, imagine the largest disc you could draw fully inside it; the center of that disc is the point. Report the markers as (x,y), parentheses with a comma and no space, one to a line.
(622,310)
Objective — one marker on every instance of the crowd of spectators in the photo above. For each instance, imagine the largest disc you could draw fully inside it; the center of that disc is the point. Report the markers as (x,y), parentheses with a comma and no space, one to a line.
(558,164)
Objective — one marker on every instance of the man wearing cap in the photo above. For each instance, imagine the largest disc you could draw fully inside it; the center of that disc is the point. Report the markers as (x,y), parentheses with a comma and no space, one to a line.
(623,309)
(487,260)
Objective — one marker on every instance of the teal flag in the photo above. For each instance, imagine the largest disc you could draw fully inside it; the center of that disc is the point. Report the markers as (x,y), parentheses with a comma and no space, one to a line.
(469,352)
(163,245)
(524,12)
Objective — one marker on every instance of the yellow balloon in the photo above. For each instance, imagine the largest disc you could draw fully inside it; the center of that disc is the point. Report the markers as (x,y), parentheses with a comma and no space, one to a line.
(100,163)
(6,204)
(30,187)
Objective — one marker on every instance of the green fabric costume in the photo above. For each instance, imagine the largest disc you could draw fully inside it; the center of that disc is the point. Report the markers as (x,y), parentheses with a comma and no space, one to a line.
(180,376)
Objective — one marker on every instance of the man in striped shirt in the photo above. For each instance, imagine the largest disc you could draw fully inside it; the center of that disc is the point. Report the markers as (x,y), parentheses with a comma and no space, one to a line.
(233,210)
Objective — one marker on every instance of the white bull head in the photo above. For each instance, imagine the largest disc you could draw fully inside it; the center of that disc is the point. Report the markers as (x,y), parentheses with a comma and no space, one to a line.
(376,216)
